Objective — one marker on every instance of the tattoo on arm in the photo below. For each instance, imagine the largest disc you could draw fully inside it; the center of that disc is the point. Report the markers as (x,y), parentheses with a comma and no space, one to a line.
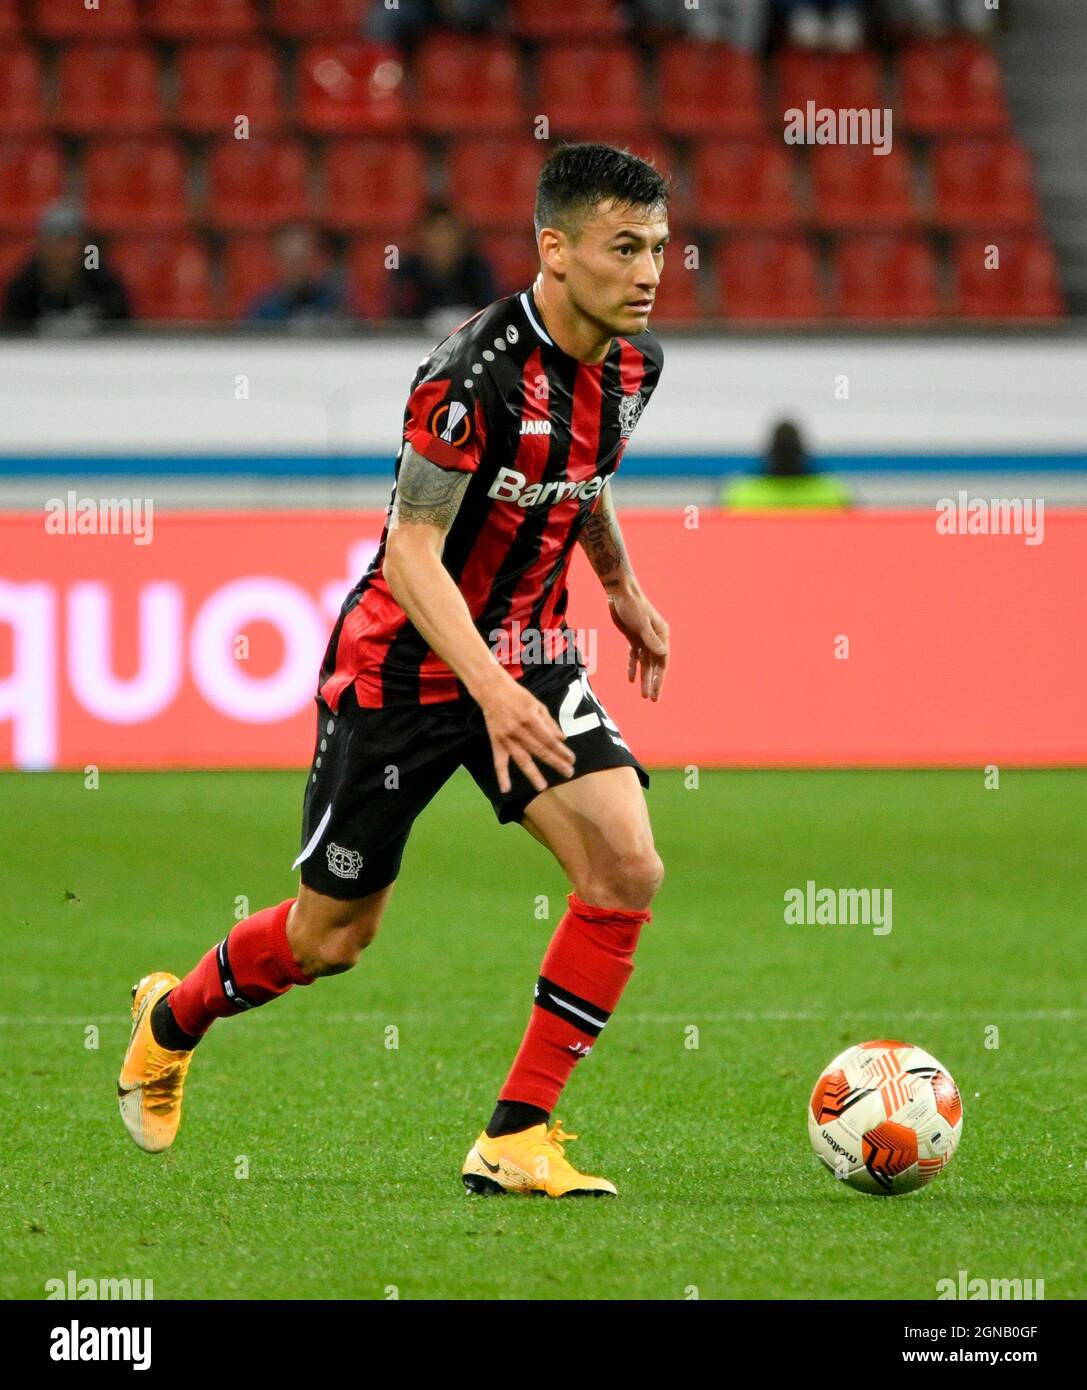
(602,542)
(426,493)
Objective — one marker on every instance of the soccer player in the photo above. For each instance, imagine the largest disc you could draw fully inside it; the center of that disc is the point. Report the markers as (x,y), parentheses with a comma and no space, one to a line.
(453,651)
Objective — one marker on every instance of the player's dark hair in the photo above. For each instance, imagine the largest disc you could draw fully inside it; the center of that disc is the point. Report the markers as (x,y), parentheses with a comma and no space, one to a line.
(578,177)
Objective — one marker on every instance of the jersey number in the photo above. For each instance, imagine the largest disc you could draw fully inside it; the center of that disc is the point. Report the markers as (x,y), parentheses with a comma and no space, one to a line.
(571,723)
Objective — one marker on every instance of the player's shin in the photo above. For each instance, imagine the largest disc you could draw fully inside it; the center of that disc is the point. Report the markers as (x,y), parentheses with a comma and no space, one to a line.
(584,972)
(250,966)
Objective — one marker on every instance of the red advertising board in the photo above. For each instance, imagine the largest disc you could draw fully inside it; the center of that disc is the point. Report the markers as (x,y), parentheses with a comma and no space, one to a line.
(861,639)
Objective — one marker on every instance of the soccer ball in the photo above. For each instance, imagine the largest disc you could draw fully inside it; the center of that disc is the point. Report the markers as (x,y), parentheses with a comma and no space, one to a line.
(885,1117)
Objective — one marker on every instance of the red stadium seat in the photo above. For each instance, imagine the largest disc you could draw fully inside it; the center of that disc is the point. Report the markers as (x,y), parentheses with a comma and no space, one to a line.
(469,85)
(836,80)
(492,183)
(108,88)
(207,19)
(310,19)
(70,19)
(1025,284)
(513,258)
(854,187)
(14,253)
(165,279)
(32,177)
(250,268)
(984,184)
(21,108)
(951,86)
(769,279)
(219,82)
(588,19)
(593,91)
(682,286)
(708,89)
(369,283)
(373,184)
(11,22)
(352,88)
(887,277)
(744,183)
(257,184)
(135,185)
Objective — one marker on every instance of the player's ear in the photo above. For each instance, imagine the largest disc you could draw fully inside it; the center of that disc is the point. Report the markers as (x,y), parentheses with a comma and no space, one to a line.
(552,244)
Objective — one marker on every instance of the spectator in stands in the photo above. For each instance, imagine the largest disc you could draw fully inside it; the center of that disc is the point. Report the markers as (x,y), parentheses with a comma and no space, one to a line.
(788,479)
(307,296)
(62,288)
(447,277)
(409,20)
(934,18)
(742,23)
(836,24)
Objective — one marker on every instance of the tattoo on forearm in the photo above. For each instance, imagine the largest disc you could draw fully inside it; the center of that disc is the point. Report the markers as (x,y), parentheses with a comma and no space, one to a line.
(426,493)
(602,542)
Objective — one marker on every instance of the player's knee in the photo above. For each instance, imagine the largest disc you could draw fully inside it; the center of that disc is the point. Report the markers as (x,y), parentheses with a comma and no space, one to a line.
(629,880)
(330,940)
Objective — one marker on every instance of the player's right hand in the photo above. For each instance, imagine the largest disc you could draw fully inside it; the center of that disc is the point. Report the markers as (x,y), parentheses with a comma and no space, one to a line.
(521,730)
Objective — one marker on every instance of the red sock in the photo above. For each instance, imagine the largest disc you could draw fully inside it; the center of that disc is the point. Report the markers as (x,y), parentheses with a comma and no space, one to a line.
(252,965)
(584,973)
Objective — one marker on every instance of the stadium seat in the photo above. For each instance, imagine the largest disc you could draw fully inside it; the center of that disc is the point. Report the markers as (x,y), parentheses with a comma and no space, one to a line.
(11,21)
(135,185)
(834,80)
(513,258)
(70,19)
(311,19)
(855,188)
(468,85)
(1024,285)
(207,19)
(951,86)
(351,88)
(769,279)
(32,177)
(369,283)
(744,183)
(983,183)
(166,279)
(249,268)
(219,82)
(14,252)
(588,19)
(21,109)
(257,184)
(372,184)
(707,89)
(682,287)
(492,182)
(887,277)
(593,91)
(108,88)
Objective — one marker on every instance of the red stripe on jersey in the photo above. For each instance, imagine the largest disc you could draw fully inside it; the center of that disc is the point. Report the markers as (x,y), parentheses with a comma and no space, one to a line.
(502,526)
(428,410)
(581,464)
(358,655)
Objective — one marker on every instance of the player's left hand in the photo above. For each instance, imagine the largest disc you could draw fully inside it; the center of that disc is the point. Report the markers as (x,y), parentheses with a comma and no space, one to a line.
(647,633)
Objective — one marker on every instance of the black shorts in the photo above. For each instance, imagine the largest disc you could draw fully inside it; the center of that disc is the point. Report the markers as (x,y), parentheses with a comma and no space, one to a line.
(374,770)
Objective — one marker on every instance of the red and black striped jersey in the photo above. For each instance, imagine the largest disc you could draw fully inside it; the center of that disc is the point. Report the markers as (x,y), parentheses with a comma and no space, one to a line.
(540,433)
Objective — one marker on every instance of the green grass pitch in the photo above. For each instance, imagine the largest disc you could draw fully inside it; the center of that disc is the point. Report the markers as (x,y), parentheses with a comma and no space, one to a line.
(354,1148)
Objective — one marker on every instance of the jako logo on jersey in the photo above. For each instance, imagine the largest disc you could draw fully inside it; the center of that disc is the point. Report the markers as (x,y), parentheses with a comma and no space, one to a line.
(535,426)
(451,422)
(510,486)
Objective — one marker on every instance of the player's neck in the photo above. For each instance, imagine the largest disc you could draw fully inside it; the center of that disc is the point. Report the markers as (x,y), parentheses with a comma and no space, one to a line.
(575,334)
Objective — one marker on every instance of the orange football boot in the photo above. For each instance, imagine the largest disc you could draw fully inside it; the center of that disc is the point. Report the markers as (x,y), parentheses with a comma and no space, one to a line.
(152,1079)
(529,1162)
